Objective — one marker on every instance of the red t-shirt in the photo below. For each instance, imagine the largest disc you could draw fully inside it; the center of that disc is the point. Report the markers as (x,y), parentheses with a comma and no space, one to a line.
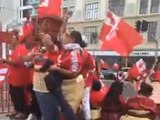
(53,56)
(45,55)
(30,81)
(97,97)
(89,69)
(19,74)
(9,80)
(70,60)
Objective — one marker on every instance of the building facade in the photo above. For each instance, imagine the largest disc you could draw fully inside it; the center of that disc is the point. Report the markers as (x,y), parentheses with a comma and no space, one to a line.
(88,16)
(8,12)
(14,12)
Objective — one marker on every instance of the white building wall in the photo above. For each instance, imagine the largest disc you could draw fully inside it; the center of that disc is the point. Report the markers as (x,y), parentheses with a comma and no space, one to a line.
(131,7)
(78,14)
(158,33)
(102,9)
(8,12)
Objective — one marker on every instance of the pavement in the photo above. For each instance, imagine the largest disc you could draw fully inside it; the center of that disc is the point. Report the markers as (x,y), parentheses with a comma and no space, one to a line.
(3,117)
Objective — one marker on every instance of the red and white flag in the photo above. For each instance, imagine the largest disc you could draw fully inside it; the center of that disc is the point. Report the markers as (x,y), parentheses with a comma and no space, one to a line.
(138,69)
(49,8)
(119,36)
(103,64)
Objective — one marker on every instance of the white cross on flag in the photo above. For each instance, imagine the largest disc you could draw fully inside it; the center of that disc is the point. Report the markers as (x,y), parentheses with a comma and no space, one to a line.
(119,36)
(137,69)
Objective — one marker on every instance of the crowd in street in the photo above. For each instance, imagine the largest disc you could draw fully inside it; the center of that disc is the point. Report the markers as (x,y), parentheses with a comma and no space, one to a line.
(52,76)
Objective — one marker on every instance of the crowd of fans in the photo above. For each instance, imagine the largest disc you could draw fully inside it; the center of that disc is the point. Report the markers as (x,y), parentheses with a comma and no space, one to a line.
(53,77)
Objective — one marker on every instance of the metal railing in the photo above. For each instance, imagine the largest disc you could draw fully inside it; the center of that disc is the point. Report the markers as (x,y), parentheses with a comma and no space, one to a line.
(5,100)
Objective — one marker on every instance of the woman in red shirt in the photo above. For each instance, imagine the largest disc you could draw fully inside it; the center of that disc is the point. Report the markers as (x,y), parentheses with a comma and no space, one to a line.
(69,65)
(18,76)
(88,70)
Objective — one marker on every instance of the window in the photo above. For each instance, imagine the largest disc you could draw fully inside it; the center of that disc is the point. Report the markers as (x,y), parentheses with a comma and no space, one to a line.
(155,4)
(25,2)
(143,6)
(33,2)
(21,3)
(91,34)
(27,12)
(91,11)
(117,6)
(152,31)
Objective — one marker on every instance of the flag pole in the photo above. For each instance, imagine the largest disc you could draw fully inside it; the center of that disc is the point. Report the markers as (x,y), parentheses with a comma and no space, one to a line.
(127,60)
(156,56)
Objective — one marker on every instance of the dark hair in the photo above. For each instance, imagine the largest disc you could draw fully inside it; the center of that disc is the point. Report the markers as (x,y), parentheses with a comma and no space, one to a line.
(78,38)
(112,97)
(145,89)
(96,85)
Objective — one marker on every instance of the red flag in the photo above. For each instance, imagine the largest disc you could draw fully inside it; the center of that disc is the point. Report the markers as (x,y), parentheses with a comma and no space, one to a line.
(104,64)
(119,36)
(49,8)
(138,69)
(25,31)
